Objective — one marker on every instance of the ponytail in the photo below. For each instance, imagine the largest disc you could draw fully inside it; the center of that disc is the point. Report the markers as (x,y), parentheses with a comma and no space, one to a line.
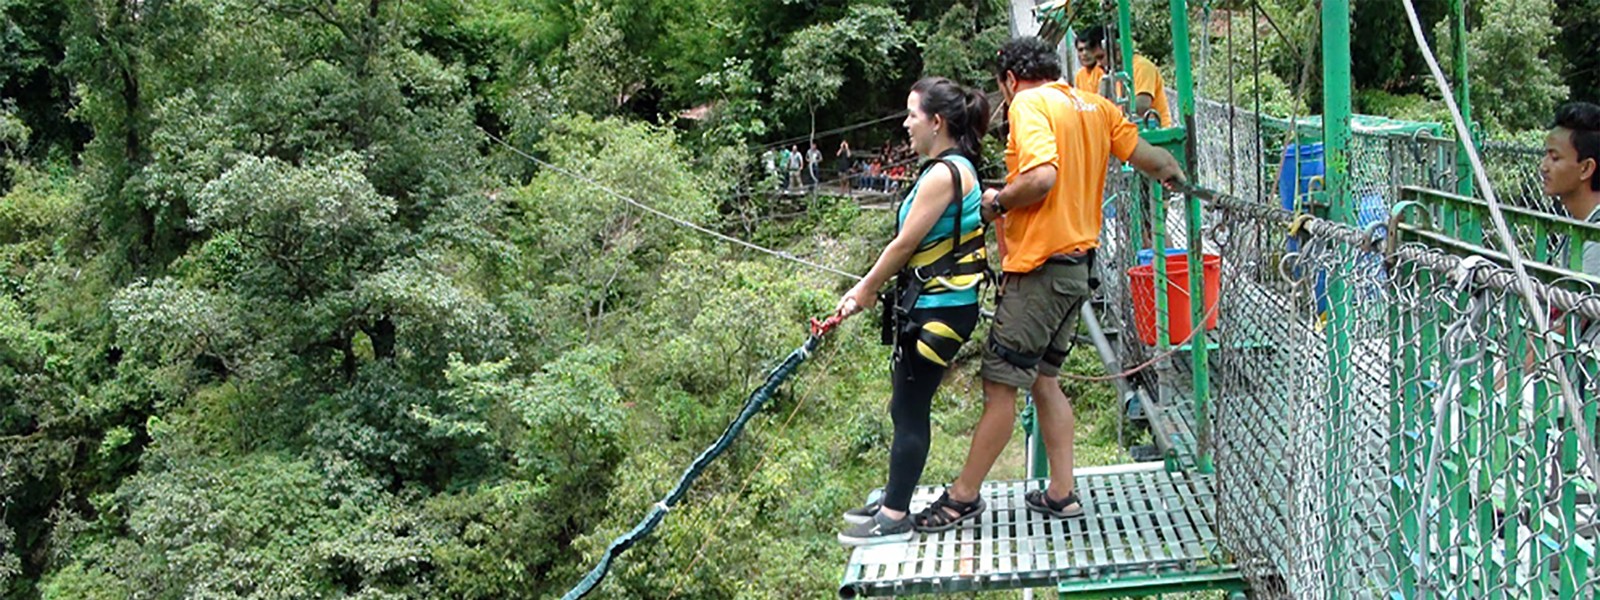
(965,112)
(970,138)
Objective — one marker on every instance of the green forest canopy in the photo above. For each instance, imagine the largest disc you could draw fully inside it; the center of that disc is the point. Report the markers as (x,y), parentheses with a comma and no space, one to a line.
(278,321)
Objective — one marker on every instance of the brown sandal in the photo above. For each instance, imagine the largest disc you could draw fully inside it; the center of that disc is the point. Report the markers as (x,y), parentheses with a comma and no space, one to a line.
(1038,501)
(935,518)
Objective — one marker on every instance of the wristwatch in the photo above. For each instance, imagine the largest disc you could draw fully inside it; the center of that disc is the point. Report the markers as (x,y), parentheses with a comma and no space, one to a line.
(997,207)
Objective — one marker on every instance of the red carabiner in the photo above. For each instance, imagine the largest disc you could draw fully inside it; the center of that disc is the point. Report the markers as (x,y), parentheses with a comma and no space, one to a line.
(822,327)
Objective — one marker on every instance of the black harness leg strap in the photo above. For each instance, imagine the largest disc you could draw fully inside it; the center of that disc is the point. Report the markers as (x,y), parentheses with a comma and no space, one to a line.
(1017,359)
(1054,357)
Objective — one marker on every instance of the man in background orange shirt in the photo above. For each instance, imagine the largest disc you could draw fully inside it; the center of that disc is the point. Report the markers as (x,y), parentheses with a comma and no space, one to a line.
(1147,82)
(1057,155)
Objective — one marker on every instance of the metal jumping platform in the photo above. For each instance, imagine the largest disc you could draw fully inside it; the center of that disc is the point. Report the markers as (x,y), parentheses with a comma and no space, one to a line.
(1144,531)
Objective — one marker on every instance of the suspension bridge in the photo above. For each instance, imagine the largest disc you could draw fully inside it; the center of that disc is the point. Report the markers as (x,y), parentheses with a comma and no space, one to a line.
(1377,413)
(1388,390)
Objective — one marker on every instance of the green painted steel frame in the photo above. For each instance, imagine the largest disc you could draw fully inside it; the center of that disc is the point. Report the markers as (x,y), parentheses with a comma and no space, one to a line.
(1495,433)
(1199,353)
(1463,89)
(1457,229)
(1336,131)
(1179,141)
(1228,580)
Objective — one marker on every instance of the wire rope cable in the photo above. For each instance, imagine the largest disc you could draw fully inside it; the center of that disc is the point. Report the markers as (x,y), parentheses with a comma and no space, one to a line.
(654,211)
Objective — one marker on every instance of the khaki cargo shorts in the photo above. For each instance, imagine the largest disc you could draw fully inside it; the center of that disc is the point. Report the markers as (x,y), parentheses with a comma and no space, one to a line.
(1035,323)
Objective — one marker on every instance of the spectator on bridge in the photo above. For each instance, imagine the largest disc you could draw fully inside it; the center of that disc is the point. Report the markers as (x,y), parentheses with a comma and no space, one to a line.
(1147,82)
(1569,169)
(938,259)
(844,164)
(892,177)
(783,168)
(769,164)
(793,166)
(1571,157)
(814,164)
(1059,143)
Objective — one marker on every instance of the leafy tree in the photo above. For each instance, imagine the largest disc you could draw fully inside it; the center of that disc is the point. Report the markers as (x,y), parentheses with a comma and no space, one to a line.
(1383,50)
(590,254)
(115,48)
(813,65)
(259,527)
(960,45)
(738,116)
(1579,21)
(604,72)
(1515,85)
(38,93)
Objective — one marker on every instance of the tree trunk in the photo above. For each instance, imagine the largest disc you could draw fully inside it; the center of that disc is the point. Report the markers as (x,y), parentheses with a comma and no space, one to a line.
(381,332)
(348,363)
(813,136)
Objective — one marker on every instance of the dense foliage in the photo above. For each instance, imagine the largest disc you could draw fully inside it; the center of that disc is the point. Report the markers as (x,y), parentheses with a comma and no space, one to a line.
(280,319)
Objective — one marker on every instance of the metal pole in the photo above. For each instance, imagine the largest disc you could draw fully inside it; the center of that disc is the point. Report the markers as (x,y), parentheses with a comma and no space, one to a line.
(1458,36)
(1184,66)
(1336,112)
(1125,46)
(1198,352)
(1069,52)
(1038,461)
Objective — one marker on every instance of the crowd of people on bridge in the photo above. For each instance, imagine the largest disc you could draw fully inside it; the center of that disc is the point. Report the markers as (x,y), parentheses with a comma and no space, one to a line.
(887,170)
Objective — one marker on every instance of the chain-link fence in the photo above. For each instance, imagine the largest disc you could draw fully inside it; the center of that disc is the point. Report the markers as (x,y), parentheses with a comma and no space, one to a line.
(1382,423)
(1383,427)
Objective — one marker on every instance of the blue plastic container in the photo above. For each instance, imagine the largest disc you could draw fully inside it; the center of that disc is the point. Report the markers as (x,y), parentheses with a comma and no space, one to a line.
(1146,255)
(1292,184)
(1371,208)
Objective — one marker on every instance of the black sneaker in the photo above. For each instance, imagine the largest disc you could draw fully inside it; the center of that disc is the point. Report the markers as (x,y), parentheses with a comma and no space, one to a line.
(879,530)
(862,514)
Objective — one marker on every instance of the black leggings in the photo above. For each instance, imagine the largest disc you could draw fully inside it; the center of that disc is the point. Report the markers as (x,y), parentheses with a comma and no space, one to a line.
(916,378)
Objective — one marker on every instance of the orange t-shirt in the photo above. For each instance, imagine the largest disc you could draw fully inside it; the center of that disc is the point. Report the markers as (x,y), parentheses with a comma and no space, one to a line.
(1146,80)
(1088,80)
(1077,133)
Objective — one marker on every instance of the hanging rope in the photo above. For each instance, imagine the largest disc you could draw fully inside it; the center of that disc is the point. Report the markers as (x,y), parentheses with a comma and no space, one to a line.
(783,429)
(992,96)
(752,405)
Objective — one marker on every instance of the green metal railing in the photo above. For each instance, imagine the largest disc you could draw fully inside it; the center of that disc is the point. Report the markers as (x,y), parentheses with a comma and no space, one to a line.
(1452,221)
(1456,467)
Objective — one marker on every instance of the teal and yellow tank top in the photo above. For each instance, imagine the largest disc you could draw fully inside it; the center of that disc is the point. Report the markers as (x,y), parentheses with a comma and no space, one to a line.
(955,290)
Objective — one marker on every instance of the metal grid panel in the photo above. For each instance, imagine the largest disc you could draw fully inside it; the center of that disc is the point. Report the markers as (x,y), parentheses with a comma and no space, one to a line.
(1306,484)
(1140,524)
(1408,448)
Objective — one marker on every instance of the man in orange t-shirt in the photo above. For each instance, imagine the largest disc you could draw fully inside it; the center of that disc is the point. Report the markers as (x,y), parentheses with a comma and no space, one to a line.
(1147,82)
(1057,156)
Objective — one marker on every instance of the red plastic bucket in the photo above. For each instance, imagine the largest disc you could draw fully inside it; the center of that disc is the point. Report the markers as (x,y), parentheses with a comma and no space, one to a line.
(1142,281)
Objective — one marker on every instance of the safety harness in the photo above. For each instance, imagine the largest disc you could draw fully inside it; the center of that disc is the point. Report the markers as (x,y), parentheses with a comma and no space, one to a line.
(956,263)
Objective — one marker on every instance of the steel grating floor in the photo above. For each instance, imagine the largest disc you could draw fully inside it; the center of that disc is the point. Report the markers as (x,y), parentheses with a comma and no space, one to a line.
(1172,430)
(1142,527)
